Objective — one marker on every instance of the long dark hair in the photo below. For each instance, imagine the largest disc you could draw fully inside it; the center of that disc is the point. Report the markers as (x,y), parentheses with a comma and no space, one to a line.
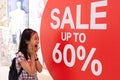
(26,36)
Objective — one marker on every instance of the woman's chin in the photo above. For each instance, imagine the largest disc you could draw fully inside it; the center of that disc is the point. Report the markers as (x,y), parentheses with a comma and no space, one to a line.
(36,49)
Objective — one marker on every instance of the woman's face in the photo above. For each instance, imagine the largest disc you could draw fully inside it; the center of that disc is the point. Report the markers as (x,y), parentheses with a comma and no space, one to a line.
(34,42)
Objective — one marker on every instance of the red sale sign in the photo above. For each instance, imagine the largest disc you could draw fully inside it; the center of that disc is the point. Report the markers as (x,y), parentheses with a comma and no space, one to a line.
(80,39)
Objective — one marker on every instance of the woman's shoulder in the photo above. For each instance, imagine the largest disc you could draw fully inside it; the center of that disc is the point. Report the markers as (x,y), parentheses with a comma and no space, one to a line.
(20,56)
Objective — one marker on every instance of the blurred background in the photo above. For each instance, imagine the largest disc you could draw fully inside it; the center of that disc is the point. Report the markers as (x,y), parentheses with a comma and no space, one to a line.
(15,16)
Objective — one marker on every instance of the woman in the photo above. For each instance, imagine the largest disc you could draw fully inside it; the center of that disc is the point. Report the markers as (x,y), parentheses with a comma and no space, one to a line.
(27,55)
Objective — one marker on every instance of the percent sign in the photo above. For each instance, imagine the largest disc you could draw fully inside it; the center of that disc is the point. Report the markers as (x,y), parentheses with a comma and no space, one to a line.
(80,57)
(94,62)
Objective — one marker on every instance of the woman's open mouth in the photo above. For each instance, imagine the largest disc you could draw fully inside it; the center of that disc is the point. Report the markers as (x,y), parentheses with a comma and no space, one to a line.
(36,45)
